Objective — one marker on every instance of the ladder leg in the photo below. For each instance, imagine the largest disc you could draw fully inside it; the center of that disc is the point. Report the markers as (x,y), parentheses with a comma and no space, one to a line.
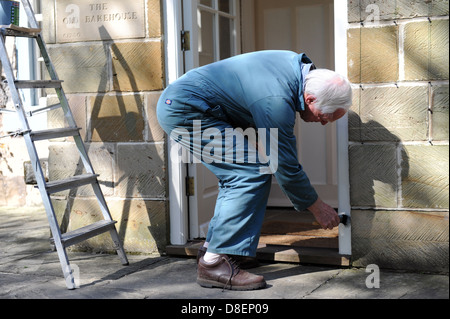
(56,234)
(107,216)
(67,269)
(119,247)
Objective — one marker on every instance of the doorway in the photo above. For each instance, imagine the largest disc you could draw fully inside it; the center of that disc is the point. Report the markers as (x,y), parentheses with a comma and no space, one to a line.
(300,26)
(303,26)
(219,28)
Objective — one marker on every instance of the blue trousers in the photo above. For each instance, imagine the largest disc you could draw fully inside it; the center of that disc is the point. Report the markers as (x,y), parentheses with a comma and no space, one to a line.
(244,188)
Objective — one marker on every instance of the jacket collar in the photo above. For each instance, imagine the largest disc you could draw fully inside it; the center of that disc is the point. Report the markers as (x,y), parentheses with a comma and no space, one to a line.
(306,65)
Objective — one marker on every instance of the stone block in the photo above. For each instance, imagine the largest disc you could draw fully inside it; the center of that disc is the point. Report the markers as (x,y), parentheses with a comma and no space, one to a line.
(417,50)
(64,161)
(408,9)
(440,116)
(82,67)
(116,118)
(155,132)
(366,10)
(369,11)
(440,8)
(390,114)
(137,66)
(416,241)
(425,177)
(141,171)
(56,119)
(426,50)
(142,225)
(373,175)
(106,20)
(373,54)
(154,18)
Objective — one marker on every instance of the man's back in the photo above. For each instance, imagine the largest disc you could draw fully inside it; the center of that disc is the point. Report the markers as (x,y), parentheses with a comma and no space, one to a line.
(245,79)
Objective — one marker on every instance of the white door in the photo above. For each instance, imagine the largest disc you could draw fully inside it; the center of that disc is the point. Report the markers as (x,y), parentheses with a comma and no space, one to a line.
(303,26)
(296,25)
(214,35)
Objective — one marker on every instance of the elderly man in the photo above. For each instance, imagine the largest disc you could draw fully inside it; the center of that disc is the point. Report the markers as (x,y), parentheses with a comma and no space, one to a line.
(260,91)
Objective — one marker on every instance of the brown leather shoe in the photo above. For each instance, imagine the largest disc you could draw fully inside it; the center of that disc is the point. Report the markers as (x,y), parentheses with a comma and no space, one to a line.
(226,274)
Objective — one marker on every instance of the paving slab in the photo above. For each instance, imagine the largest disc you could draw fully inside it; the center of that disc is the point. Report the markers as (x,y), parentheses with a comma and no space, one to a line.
(29,269)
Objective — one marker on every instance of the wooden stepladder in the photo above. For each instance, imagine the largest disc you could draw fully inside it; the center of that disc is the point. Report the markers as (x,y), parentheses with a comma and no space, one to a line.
(61,241)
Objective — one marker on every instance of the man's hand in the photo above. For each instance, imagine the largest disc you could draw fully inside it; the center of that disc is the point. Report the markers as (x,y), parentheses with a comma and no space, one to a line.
(324,214)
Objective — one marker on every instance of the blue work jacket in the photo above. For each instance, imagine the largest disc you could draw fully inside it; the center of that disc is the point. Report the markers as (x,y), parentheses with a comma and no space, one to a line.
(264,89)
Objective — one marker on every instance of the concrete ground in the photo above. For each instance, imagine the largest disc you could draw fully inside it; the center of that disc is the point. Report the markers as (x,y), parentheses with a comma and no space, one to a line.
(30,270)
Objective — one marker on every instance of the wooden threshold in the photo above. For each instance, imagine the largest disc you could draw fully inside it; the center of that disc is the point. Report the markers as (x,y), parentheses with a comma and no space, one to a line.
(288,236)
(276,253)
(288,227)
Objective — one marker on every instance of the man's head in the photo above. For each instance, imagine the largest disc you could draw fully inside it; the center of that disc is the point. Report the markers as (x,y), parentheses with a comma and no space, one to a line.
(328,96)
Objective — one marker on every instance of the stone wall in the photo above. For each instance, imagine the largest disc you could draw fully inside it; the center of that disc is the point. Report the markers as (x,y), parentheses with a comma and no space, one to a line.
(112,86)
(398,62)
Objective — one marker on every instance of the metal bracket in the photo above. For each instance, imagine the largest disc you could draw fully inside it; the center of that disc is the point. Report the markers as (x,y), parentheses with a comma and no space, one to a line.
(190,186)
(185,40)
(345,219)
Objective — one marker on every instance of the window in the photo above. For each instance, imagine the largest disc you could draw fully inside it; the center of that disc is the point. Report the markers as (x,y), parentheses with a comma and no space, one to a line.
(217,22)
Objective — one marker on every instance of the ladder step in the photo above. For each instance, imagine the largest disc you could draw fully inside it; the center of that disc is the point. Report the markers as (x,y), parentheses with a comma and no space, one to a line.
(72,182)
(86,232)
(16,31)
(54,133)
(38,84)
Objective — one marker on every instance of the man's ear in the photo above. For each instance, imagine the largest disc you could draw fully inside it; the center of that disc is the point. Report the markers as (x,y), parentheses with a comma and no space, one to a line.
(309,99)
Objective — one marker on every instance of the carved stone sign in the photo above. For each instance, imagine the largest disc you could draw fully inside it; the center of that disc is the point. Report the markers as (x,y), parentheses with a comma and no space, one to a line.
(90,20)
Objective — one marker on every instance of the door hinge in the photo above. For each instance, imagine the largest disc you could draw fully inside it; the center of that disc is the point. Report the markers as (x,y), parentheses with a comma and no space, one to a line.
(190,186)
(185,40)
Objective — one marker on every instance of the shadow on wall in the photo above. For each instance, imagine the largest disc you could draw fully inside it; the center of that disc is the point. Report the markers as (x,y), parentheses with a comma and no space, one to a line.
(377,167)
(384,231)
(141,223)
(387,173)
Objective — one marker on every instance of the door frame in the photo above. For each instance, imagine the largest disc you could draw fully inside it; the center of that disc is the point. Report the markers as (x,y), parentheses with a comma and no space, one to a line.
(174,68)
(179,221)
(201,196)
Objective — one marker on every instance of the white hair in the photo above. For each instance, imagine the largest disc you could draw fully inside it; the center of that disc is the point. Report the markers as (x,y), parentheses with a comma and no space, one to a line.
(331,90)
